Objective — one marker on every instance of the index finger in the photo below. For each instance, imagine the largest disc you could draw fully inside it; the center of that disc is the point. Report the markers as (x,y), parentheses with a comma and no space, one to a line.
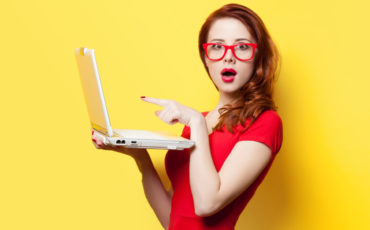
(157,101)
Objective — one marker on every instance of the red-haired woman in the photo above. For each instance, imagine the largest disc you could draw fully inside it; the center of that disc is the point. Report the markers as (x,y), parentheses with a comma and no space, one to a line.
(235,143)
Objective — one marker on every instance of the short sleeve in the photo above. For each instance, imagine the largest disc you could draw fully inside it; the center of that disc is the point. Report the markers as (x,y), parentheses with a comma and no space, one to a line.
(267,129)
(186,132)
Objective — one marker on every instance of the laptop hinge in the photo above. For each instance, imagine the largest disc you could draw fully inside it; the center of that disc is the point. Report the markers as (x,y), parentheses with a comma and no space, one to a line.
(99,128)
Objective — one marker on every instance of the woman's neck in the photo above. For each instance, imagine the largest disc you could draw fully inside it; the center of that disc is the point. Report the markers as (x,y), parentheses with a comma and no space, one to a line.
(224,98)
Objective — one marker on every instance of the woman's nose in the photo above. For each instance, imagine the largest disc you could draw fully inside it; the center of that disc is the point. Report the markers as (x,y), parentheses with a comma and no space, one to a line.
(229,57)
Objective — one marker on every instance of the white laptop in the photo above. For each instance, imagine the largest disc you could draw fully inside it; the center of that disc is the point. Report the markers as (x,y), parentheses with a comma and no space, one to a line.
(99,118)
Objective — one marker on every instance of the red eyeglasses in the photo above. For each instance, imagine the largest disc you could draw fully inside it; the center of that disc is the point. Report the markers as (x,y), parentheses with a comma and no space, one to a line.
(241,51)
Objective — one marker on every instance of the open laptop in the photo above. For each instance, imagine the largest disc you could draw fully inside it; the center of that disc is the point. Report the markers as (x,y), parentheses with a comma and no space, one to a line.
(99,118)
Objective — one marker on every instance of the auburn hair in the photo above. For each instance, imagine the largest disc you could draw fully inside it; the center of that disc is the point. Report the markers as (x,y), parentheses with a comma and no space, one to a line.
(256,95)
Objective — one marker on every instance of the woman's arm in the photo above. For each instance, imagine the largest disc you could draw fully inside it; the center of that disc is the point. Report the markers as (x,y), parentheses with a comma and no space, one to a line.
(204,179)
(157,196)
(213,190)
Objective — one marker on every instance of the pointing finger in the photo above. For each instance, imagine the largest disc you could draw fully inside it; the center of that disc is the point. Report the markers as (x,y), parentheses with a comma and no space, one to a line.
(157,101)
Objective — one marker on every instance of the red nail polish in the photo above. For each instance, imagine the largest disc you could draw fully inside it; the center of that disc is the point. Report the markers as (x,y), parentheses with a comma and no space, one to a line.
(92,132)
(94,140)
(142,96)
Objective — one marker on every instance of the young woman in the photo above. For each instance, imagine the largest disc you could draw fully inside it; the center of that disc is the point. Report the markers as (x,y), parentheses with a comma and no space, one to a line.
(235,143)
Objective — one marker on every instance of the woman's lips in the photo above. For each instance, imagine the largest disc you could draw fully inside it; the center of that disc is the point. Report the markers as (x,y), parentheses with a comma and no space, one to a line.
(227,79)
(231,70)
(228,74)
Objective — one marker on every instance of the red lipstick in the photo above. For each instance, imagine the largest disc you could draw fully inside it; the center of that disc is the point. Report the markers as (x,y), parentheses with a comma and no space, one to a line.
(231,70)
(228,74)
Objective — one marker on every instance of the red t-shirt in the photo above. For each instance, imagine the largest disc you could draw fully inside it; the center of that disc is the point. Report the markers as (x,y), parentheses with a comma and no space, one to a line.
(267,129)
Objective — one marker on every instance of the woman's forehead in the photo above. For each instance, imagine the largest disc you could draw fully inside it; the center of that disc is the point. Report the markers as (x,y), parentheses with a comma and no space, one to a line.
(229,29)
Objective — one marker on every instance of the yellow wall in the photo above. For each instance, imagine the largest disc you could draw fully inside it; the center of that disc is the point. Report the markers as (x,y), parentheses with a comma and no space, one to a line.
(51,176)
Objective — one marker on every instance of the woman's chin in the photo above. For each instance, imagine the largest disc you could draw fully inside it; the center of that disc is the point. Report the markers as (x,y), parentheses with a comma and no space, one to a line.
(228,89)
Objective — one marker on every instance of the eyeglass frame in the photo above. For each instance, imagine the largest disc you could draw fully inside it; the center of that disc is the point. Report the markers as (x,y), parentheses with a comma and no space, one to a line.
(227,47)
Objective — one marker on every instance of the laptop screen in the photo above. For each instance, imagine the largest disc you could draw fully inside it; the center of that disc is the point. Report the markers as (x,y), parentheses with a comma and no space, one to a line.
(92,90)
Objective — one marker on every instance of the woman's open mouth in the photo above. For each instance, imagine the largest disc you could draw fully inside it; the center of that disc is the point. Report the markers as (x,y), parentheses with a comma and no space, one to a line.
(228,75)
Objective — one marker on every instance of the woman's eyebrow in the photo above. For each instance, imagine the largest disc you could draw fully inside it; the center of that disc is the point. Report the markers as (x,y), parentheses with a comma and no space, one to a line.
(222,40)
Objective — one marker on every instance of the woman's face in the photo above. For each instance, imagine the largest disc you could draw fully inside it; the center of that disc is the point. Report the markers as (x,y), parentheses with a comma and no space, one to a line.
(229,31)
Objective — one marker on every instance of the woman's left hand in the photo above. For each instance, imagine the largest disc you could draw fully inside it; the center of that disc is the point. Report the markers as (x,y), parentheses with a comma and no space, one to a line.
(174,112)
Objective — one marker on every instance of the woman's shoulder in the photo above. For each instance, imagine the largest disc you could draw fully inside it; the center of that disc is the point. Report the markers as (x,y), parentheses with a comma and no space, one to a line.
(267,118)
(267,128)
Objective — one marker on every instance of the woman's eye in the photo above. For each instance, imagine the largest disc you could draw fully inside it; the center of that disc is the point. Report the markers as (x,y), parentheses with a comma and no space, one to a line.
(243,47)
(217,47)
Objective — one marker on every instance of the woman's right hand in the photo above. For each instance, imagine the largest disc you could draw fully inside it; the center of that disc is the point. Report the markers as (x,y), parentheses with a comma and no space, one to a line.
(136,153)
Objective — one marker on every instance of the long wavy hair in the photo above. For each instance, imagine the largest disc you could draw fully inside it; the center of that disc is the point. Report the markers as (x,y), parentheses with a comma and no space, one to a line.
(256,95)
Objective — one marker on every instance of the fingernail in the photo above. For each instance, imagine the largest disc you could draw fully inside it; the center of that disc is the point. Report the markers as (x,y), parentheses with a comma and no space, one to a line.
(92,132)
(94,140)
(142,97)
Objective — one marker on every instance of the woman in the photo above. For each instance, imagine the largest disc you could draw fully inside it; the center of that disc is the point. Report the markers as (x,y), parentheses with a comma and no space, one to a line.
(235,143)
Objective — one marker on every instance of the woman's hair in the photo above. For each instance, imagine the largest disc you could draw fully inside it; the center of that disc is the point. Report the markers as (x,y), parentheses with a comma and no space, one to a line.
(256,95)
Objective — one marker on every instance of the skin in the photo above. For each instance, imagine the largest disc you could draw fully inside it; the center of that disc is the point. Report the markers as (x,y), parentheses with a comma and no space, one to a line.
(226,31)
(211,190)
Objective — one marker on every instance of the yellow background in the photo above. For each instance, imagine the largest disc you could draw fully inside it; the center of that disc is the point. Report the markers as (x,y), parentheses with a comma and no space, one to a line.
(52,177)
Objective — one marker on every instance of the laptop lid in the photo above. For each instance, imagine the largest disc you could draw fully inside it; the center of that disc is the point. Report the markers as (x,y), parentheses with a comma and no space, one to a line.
(93,90)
